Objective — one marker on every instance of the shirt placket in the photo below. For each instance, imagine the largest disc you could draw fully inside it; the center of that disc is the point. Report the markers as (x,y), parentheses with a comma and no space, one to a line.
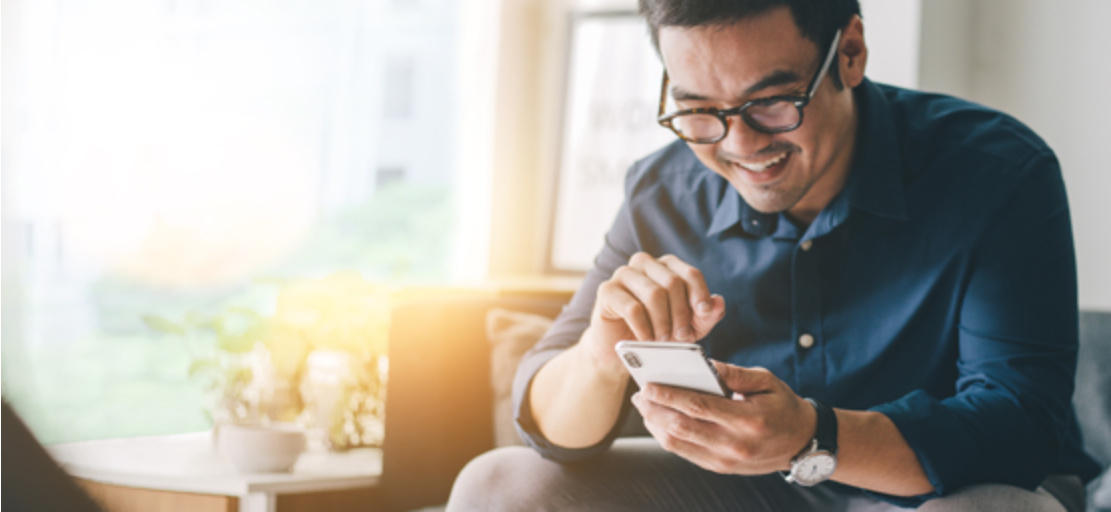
(810,372)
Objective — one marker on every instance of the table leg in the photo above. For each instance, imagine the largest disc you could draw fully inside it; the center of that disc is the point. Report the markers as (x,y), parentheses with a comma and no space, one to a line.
(258,502)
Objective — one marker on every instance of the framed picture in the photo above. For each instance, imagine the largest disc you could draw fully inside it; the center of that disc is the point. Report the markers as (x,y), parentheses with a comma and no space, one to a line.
(609,121)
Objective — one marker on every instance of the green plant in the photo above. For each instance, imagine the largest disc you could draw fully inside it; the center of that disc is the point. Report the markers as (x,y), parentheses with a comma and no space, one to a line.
(254,367)
(243,363)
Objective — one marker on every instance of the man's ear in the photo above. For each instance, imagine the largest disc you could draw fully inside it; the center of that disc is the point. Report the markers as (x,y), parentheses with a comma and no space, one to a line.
(853,54)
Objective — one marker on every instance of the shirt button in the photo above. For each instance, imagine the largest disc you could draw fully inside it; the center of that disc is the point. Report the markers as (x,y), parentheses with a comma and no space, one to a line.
(806,245)
(806,341)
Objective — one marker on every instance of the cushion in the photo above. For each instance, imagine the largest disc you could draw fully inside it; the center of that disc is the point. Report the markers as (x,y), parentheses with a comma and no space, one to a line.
(1093,402)
(511,334)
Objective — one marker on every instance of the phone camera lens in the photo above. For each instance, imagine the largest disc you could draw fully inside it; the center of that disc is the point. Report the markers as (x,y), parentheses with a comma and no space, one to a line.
(632,359)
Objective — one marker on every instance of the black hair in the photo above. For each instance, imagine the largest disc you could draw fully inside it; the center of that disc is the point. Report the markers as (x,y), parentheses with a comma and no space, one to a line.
(817,20)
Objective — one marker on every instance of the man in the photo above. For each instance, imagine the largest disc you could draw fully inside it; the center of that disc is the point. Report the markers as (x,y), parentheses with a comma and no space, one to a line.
(886,276)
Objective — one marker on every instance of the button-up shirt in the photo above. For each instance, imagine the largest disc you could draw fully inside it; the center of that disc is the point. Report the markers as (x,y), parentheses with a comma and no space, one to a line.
(938,287)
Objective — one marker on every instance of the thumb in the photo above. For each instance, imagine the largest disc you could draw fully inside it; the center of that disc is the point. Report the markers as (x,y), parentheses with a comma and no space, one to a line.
(746,381)
(705,318)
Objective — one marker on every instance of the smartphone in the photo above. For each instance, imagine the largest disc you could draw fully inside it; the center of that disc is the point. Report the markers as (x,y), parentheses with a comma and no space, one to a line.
(671,363)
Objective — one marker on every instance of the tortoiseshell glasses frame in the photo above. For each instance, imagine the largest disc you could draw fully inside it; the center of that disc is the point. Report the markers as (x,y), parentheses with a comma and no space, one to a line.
(774,114)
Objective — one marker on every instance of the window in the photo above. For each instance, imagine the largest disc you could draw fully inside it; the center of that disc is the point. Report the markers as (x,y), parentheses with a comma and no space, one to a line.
(166,156)
(397,97)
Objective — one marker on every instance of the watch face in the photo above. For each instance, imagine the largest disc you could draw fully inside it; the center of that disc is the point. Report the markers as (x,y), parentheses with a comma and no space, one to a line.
(813,468)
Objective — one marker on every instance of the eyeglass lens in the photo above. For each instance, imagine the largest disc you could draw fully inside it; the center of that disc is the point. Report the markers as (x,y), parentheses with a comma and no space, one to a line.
(772,117)
(699,127)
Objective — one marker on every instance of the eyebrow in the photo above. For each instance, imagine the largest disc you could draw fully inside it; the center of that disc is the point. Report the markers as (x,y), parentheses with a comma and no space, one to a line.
(773,79)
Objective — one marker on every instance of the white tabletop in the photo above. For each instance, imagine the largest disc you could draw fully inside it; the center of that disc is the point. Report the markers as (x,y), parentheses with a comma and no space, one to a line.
(191,463)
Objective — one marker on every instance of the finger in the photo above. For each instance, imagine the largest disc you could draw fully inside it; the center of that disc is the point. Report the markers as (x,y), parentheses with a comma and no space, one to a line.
(653,296)
(698,293)
(676,434)
(677,298)
(708,309)
(713,446)
(746,381)
(693,404)
(618,304)
(700,418)
(669,421)
(703,323)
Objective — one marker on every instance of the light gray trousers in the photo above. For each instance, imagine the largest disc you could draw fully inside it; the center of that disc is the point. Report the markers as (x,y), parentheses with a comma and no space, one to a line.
(637,475)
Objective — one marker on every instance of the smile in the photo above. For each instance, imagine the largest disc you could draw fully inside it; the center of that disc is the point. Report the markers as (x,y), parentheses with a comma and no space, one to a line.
(759,167)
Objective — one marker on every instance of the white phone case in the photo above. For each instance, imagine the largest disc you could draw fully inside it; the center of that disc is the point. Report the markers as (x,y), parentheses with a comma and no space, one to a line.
(676,364)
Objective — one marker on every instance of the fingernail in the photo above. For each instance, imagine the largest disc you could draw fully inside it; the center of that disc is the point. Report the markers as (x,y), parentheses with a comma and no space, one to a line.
(684,333)
(704,307)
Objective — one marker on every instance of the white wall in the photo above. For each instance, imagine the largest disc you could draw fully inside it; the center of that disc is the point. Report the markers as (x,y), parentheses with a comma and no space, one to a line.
(945,59)
(1046,63)
(891,28)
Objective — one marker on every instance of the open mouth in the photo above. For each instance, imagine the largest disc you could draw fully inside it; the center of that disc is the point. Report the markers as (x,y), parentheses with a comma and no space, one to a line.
(766,170)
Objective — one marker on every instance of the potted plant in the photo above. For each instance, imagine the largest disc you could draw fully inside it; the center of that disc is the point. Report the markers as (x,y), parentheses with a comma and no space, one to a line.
(317,364)
(344,323)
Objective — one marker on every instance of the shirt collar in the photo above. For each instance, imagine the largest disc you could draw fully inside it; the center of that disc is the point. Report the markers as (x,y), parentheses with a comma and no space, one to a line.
(876,178)
(733,211)
(875,181)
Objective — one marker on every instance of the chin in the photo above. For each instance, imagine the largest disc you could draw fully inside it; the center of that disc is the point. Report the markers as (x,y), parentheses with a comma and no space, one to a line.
(775,197)
(765,201)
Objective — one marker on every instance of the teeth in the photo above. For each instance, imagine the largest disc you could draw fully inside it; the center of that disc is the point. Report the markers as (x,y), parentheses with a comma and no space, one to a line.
(763,166)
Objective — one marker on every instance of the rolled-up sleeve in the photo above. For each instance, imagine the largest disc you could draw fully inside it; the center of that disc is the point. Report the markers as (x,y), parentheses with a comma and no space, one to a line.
(620,244)
(1018,338)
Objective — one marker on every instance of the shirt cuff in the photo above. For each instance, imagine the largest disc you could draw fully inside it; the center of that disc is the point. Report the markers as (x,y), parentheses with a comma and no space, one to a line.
(925,424)
(530,432)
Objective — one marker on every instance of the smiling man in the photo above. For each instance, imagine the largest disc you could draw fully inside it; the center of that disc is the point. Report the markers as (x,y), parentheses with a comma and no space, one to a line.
(886,278)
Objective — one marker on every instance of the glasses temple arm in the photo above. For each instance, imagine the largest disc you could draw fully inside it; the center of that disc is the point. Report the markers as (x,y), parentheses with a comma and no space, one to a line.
(825,65)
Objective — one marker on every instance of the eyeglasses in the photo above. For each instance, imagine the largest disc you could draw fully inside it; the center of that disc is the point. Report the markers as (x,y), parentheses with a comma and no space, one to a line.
(774,114)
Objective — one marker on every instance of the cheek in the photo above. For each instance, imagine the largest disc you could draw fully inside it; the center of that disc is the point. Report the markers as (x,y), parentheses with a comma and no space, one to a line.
(706,154)
(814,152)
(821,130)
(802,142)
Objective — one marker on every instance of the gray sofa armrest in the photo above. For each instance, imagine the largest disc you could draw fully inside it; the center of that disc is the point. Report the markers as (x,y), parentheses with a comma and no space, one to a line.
(1093,399)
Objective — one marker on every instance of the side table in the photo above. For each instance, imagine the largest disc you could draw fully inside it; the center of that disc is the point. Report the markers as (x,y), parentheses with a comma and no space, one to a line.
(186,472)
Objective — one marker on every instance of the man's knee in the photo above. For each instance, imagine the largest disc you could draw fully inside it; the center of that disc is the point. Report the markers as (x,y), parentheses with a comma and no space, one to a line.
(991,497)
(511,475)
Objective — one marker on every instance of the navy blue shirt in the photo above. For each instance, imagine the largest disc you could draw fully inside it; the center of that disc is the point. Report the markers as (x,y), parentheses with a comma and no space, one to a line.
(938,287)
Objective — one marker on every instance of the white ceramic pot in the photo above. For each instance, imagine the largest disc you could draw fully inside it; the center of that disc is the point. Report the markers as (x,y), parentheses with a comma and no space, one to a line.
(260,449)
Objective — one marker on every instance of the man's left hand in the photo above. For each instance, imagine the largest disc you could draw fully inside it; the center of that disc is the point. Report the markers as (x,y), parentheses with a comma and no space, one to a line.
(757,432)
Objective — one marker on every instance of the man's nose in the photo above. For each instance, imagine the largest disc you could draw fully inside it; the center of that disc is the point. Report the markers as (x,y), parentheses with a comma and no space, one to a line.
(742,140)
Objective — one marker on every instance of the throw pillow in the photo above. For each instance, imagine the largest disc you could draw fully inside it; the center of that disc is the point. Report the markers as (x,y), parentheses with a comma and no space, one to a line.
(511,334)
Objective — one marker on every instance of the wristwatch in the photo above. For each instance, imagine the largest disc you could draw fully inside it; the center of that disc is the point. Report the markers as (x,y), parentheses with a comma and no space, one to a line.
(815,463)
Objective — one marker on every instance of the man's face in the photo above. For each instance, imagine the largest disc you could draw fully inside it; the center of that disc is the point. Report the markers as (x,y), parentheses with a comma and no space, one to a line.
(724,66)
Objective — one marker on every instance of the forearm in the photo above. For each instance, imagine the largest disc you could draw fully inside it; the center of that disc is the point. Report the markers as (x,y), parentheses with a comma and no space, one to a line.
(574,403)
(873,455)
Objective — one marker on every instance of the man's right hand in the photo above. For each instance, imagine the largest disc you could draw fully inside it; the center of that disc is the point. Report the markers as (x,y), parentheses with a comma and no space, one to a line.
(576,397)
(660,299)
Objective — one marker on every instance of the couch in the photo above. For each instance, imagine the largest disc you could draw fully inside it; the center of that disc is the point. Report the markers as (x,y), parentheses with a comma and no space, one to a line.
(440,405)
(439,400)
